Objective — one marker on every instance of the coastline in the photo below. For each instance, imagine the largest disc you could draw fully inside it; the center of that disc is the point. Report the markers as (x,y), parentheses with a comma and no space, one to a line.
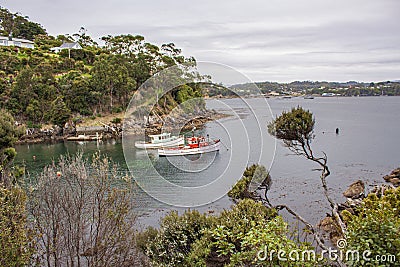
(115,131)
(140,128)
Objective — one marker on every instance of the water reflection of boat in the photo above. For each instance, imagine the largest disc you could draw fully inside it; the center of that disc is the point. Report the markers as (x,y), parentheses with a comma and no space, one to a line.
(196,145)
(161,140)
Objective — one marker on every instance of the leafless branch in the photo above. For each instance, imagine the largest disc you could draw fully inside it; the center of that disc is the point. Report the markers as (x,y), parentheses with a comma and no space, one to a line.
(311,229)
(84,216)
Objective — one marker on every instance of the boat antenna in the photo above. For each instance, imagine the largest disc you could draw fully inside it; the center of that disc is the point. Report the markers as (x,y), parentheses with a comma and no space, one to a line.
(193,129)
(219,141)
(224,145)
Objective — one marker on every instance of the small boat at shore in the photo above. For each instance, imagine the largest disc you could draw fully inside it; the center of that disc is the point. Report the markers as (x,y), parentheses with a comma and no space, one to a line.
(83,137)
(161,140)
(196,145)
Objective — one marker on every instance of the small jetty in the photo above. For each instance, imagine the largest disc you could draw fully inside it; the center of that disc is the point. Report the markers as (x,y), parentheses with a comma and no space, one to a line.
(83,137)
(89,133)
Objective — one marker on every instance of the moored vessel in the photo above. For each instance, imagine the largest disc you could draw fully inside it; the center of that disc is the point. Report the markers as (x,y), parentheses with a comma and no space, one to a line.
(161,140)
(195,145)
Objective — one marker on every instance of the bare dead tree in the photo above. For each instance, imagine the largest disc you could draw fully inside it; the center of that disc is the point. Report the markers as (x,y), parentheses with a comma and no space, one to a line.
(83,213)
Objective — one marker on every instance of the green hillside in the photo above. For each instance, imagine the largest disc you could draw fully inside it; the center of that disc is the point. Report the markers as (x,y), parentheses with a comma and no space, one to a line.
(39,86)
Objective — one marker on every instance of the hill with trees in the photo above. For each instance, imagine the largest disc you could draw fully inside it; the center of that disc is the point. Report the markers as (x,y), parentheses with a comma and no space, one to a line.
(18,26)
(39,86)
(350,88)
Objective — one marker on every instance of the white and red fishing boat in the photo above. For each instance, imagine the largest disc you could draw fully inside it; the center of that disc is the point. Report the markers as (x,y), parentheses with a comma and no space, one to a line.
(195,145)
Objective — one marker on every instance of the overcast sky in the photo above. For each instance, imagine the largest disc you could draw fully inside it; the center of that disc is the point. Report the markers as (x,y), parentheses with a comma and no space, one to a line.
(274,40)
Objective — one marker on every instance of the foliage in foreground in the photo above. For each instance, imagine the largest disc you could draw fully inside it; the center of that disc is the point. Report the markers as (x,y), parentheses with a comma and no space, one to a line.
(9,134)
(15,238)
(16,247)
(376,228)
(170,245)
(232,238)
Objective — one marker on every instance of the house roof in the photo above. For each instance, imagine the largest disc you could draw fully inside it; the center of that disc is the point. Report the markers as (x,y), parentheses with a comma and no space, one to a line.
(69,45)
(16,40)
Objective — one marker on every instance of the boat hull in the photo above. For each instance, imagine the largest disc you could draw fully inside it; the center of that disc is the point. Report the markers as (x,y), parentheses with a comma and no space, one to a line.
(168,152)
(176,142)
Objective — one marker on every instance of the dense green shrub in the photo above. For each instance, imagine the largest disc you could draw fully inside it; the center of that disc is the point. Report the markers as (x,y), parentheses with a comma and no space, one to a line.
(79,54)
(236,237)
(116,120)
(376,228)
(172,242)
(242,236)
(241,189)
(9,134)
(16,245)
(59,112)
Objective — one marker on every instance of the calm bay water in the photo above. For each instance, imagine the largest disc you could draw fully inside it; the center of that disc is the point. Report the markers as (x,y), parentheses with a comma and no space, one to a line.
(366,148)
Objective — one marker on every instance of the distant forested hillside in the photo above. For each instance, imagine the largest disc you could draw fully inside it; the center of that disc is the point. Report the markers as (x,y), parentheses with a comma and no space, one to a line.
(351,88)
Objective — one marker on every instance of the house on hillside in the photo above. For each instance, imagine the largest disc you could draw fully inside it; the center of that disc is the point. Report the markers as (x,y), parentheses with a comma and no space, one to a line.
(9,41)
(69,46)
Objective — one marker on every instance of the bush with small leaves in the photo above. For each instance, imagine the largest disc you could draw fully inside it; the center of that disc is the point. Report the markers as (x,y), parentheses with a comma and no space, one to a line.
(255,172)
(245,236)
(376,228)
(170,245)
(16,241)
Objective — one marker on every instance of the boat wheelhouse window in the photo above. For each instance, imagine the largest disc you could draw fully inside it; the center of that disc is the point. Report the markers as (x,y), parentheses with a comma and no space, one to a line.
(193,141)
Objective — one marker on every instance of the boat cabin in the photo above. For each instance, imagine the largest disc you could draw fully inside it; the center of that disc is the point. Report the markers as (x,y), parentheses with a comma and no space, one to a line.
(159,138)
(196,141)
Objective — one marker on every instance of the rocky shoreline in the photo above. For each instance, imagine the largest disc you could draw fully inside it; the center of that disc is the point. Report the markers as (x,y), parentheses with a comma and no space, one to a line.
(355,194)
(181,123)
(154,125)
(393,177)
